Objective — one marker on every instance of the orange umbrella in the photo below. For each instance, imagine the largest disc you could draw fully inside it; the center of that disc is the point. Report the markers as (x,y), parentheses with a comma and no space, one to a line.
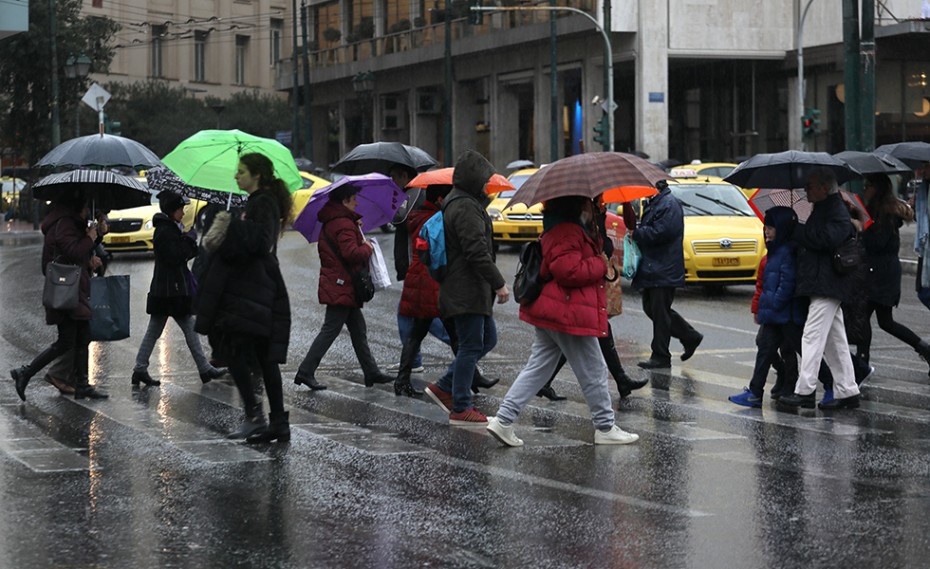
(443,176)
(627,194)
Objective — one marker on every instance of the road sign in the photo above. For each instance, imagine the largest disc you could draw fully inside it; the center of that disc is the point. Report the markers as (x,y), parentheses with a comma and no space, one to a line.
(96,97)
(613,106)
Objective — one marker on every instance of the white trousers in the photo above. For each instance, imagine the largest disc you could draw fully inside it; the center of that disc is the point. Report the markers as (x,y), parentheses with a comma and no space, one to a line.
(825,338)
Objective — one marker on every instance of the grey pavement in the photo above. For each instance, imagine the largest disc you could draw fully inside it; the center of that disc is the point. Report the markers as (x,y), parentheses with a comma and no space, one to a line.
(147,479)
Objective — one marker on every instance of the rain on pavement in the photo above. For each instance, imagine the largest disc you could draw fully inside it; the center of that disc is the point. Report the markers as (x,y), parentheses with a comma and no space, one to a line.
(147,479)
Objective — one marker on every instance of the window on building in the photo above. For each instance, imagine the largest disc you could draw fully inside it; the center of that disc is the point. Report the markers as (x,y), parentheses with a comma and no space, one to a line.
(200,56)
(158,33)
(277,26)
(242,58)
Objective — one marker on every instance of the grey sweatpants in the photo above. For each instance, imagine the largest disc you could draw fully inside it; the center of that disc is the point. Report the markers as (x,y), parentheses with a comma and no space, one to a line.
(584,356)
(155,328)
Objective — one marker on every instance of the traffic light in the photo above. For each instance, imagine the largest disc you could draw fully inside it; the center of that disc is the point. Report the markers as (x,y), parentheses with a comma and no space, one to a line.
(475,17)
(810,122)
(600,131)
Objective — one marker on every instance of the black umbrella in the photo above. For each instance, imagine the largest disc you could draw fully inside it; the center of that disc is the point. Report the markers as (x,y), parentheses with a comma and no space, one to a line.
(517,164)
(913,153)
(161,179)
(102,151)
(106,190)
(873,162)
(789,169)
(379,157)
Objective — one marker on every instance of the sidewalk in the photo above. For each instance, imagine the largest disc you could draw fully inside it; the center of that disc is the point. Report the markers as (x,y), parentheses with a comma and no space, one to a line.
(906,253)
(18,232)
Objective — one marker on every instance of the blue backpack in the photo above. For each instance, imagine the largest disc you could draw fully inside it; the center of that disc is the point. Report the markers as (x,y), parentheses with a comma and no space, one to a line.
(431,246)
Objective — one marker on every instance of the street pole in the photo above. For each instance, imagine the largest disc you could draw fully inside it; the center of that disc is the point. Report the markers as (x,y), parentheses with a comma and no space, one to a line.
(851,74)
(53,44)
(447,87)
(608,55)
(801,106)
(867,80)
(553,88)
(308,140)
(295,93)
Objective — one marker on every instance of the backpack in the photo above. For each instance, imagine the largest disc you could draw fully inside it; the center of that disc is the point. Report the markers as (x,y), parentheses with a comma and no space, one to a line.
(528,283)
(430,246)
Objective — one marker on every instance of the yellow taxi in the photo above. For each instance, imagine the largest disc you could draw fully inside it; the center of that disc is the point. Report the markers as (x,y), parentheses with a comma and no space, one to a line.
(132,230)
(709,172)
(302,196)
(517,223)
(723,243)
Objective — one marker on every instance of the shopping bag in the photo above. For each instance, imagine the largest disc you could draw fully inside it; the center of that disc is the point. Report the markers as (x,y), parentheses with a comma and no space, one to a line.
(612,289)
(631,256)
(109,308)
(378,268)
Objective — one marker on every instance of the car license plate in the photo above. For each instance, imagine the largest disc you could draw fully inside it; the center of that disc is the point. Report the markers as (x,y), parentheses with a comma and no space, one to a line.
(528,230)
(726,261)
(119,239)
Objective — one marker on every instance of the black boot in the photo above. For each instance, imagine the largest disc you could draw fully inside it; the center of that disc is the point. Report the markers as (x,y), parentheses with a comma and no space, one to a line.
(379,377)
(550,393)
(21,376)
(403,386)
(89,392)
(143,377)
(254,422)
(479,380)
(277,430)
(627,385)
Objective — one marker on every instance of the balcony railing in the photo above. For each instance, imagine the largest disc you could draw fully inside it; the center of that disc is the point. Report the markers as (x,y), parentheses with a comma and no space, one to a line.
(432,34)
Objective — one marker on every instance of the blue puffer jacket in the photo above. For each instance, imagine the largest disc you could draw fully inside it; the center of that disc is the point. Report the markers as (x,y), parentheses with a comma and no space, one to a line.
(777,303)
(659,237)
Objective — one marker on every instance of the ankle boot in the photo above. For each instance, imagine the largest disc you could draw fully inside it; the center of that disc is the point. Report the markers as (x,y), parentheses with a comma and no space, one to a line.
(626,384)
(403,386)
(549,393)
(277,430)
(254,422)
(479,380)
(143,377)
(21,376)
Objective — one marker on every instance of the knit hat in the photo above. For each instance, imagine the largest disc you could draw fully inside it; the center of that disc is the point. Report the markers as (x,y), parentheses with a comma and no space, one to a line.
(170,202)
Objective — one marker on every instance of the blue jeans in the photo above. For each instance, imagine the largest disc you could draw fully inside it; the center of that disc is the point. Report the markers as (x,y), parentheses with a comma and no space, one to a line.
(477,335)
(405,326)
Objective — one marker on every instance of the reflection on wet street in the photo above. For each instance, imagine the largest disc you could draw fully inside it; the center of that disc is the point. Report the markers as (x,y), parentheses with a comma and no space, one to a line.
(148,479)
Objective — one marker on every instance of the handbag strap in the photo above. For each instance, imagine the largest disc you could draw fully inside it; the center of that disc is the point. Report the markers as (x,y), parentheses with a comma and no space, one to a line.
(335,250)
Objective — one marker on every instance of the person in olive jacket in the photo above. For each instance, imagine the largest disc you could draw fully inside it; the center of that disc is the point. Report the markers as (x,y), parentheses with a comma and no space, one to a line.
(341,244)
(824,335)
(662,269)
(171,293)
(68,240)
(472,281)
(244,300)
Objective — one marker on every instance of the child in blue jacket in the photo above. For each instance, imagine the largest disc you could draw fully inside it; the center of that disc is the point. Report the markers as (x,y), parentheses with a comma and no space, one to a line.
(780,315)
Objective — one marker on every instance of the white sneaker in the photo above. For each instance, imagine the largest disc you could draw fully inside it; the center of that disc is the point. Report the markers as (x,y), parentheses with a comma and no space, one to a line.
(394,368)
(503,433)
(615,436)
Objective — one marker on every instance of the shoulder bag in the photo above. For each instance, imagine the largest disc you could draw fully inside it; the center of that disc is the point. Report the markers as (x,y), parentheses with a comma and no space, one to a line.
(847,257)
(62,289)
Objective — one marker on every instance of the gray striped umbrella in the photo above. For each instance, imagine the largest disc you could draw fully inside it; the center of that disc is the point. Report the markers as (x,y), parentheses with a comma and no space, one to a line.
(100,151)
(106,190)
(590,175)
(162,178)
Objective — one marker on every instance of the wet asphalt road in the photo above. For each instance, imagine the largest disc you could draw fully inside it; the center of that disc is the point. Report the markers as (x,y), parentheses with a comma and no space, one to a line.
(146,479)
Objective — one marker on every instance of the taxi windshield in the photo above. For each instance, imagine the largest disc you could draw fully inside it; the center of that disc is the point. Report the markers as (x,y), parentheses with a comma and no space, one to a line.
(711,200)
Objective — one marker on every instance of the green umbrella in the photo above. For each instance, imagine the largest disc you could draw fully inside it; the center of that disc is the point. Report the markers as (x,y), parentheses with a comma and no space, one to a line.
(209,159)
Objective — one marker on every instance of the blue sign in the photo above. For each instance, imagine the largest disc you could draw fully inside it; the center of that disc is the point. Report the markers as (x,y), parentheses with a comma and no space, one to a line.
(656,97)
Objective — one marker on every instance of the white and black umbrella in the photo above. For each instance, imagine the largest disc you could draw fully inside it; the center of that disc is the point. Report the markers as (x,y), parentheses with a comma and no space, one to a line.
(100,151)
(163,179)
(106,190)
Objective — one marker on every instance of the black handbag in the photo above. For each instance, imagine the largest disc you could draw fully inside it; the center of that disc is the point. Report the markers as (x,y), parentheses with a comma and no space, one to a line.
(362,284)
(62,289)
(847,256)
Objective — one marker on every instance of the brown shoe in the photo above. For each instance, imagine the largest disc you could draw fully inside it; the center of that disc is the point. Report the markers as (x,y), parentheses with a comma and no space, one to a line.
(61,385)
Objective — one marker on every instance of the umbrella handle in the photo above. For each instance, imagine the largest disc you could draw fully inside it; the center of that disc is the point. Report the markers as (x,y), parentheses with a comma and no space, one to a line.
(229,202)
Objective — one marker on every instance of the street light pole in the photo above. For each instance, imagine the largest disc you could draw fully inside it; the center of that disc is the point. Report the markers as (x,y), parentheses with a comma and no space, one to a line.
(608,55)
(801,69)
(53,45)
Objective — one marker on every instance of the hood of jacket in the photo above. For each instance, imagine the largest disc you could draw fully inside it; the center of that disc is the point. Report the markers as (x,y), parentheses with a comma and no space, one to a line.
(782,219)
(333,210)
(162,219)
(472,172)
(54,215)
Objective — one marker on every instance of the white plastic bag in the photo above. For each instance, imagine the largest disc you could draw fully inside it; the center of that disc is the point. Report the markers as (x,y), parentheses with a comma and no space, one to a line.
(378,268)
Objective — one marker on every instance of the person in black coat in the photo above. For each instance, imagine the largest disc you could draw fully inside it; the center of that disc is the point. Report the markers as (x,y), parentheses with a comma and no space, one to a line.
(882,244)
(826,229)
(662,269)
(244,300)
(172,291)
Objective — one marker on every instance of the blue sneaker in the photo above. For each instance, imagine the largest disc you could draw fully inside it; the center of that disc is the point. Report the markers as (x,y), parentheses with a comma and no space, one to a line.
(827,396)
(747,399)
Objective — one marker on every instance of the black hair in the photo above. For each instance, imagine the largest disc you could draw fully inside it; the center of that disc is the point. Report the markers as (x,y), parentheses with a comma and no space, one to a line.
(436,192)
(569,207)
(343,192)
(260,165)
(73,199)
(883,204)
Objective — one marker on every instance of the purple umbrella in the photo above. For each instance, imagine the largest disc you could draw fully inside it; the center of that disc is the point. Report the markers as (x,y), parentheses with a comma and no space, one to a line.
(378,199)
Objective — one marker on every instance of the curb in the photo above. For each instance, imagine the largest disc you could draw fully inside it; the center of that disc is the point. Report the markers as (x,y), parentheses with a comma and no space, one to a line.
(909,266)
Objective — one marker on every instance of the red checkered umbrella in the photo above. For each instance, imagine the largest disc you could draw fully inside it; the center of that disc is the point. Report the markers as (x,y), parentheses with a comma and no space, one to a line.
(621,177)
(796,199)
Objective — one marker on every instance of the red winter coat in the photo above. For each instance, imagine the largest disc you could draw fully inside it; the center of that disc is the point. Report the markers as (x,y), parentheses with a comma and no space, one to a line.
(758,293)
(574,300)
(420,297)
(340,225)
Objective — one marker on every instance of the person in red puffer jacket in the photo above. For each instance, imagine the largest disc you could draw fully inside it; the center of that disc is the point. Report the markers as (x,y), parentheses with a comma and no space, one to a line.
(569,315)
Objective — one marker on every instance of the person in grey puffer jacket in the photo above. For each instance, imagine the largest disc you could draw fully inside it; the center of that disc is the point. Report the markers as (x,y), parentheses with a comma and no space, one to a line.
(468,291)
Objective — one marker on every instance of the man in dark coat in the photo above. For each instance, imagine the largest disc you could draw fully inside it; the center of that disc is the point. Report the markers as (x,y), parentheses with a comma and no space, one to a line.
(828,227)
(662,269)
(472,281)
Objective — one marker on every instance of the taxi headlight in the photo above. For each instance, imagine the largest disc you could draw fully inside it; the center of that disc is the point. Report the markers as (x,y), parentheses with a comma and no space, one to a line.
(148,225)
(495,214)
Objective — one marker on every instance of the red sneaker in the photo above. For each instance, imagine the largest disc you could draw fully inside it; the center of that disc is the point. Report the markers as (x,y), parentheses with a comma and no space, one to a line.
(470,417)
(440,397)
